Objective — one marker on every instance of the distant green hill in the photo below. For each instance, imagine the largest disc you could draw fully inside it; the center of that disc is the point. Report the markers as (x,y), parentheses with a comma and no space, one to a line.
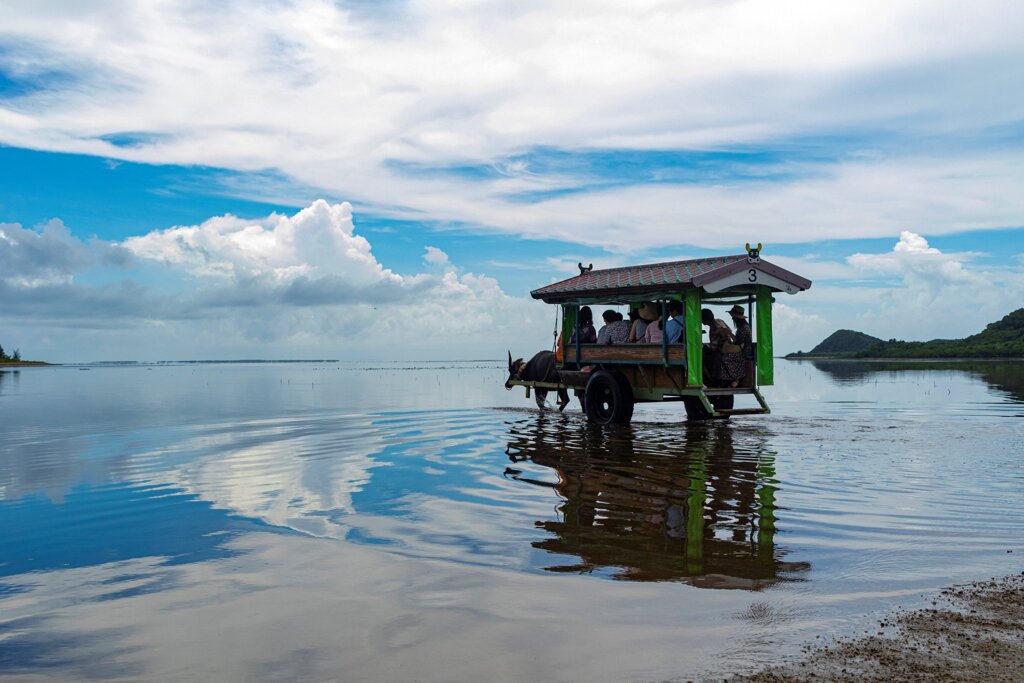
(1003,339)
(841,343)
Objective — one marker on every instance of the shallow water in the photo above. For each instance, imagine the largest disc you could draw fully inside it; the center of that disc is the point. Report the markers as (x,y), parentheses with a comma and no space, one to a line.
(414,521)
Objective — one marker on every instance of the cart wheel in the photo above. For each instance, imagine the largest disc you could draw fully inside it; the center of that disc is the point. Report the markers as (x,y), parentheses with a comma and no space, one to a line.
(608,399)
(695,410)
(722,403)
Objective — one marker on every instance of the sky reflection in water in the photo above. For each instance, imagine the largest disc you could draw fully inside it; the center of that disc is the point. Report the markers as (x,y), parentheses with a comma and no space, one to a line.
(269,521)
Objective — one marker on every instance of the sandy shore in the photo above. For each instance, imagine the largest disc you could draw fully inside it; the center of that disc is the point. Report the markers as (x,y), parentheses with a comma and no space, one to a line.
(971,633)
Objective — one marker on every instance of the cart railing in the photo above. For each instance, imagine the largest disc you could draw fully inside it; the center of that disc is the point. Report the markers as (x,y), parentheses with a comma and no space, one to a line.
(645,354)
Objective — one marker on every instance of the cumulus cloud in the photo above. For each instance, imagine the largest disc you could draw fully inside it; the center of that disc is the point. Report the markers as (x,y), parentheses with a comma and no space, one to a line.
(289,286)
(794,329)
(436,257)
(340,99)
(317,241)
(926,293)
(50,254)
(919,264)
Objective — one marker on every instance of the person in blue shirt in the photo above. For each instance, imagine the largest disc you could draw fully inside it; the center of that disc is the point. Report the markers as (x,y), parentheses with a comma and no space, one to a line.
(675,327)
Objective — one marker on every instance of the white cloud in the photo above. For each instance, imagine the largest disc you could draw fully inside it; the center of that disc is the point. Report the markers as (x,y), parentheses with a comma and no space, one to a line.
(319,240)
(282,286)
(794,329)
(435,257)
(920,265)
(816,269)
(49,254)
(330,96)
(935,294)
(307,285)
(34,257)
(866,199)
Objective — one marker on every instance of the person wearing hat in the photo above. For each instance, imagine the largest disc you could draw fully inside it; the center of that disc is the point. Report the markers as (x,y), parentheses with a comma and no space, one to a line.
(743,336)
(641,317)
(724,357)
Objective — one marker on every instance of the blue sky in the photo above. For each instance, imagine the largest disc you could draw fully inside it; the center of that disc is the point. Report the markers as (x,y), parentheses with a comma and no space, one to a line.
(464,172)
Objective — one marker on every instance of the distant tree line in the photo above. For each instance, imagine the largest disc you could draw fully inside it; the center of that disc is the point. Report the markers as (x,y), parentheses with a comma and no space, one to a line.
(1001,339)
(16,356)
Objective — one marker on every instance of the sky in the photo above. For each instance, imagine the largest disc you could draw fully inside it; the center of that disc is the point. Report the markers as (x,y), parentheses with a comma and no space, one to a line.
(389,180)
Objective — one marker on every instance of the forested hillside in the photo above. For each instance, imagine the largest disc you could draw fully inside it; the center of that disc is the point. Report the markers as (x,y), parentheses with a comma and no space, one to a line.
(1002,339)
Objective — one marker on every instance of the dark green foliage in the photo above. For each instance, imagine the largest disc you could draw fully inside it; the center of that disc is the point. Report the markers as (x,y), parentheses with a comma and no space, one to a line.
(3,356)
(16,356)
(840,343)
(1002,339)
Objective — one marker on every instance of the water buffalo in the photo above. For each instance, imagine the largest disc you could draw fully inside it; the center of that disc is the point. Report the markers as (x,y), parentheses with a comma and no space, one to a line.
(540,368)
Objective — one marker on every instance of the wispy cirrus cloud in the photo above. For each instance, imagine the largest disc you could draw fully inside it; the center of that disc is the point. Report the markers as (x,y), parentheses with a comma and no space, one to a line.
(660,124)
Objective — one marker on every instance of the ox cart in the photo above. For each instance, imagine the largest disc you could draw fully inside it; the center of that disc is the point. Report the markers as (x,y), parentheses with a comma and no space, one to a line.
(609,379)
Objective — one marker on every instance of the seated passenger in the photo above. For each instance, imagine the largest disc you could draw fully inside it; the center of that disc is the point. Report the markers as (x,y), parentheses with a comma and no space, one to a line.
(675,327)
(723,359)
(588,335)
(615,330)
(743,333)
(653,335)
(636,326)
(645,315)
(735,355)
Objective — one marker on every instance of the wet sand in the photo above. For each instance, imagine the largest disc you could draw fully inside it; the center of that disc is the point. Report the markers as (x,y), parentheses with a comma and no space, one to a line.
(971,633)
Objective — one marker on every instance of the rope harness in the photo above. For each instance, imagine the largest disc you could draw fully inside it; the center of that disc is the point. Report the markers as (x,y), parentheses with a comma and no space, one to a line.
(554,332)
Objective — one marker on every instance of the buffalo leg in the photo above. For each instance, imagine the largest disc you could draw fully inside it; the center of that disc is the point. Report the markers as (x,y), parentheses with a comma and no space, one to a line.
(563,399)
(541,396)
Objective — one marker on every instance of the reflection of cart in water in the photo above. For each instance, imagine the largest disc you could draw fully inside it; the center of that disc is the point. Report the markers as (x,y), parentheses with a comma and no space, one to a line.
(611,378)
(651,507)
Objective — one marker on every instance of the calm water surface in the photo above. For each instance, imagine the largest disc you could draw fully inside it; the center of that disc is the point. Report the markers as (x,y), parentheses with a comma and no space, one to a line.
(418,522)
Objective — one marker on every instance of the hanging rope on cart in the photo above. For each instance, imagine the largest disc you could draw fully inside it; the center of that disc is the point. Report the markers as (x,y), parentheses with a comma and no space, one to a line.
(554,332)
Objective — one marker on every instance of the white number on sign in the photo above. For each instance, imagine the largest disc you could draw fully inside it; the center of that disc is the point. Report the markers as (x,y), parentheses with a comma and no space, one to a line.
(752,275)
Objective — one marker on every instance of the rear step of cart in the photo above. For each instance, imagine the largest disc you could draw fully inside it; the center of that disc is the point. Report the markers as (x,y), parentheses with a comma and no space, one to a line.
(740,411)
(710,392)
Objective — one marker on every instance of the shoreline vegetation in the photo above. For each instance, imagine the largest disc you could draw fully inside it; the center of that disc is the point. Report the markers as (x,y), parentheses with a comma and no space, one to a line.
(14,359)
(1001,340)
(971,632)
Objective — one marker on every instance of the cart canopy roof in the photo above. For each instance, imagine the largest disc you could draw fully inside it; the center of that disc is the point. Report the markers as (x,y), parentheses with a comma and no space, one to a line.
(738,274)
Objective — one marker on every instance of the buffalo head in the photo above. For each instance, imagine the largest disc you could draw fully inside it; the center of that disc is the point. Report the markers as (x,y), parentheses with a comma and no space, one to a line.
(515,369)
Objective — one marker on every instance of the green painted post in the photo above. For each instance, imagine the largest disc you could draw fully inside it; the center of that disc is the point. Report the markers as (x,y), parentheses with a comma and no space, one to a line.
(694,342)
(765,352)
(568,325)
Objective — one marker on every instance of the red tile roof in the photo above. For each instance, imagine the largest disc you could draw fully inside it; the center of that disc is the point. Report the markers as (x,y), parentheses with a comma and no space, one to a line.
(635,279)
(661,278)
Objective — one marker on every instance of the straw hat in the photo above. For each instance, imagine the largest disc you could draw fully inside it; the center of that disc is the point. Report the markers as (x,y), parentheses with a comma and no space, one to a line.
(649,312)
(737,312)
